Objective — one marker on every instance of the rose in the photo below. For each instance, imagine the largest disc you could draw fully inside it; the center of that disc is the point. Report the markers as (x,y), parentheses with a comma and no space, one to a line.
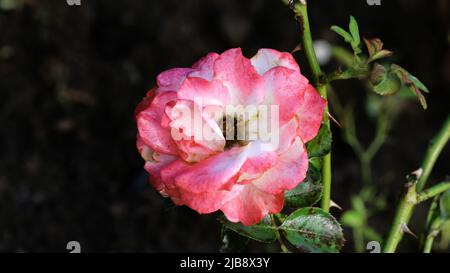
(183,125)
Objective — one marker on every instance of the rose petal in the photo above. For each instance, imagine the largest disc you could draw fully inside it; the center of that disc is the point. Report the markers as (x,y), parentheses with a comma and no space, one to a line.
(170,80)
(149,125)
(204,92)
(214,173)
(196,136)
(251,205)
(267,59)
(237,73)
(204,67)
(207,202)
(285,88)
(145,102)
(310,114)
(222,170)
(287,173)
(154,169)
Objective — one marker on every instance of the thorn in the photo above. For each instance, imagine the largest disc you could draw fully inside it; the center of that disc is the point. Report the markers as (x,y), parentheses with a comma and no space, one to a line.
(417,173)
(293,2)
(333,204)
(406,229)
(414,176)
(334,120)
(297,48)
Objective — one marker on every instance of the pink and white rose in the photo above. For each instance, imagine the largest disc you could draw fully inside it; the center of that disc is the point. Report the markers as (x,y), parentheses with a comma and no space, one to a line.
(203,155)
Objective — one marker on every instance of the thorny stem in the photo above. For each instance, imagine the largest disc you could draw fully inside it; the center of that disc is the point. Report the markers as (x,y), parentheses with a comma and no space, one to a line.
(301,14)
(404,211)
(409,200)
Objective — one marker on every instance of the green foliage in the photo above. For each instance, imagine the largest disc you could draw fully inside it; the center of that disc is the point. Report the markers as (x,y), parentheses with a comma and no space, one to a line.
(307,229)
(321,144)
(354,30)
(347,36)
(384,83)
(375,49)
(263,232)
(388,80)
(313,230)
(357,217)
(444,205)
(411,82)
(352,36)
(306,193)
(444,243)
(385,79)
(10,4)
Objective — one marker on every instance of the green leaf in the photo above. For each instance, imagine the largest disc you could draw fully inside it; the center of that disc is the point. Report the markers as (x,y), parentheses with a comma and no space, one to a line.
(388,86)
(384,82)
(412,83)
(418,83)
(371,234)
(375,49)
(421,98)
(313,230)
(444,205)
(373,46)
(262,232)
(358,205)
(347,36)
(321,144)
(380,54)
(344,56)
(352,218)
(306,193)
(445,236)
(354,30)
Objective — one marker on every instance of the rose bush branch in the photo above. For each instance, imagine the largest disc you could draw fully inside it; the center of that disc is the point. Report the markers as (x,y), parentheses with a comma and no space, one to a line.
(301,14)
(433,191)
(414,189)
(432,226)
(433,232)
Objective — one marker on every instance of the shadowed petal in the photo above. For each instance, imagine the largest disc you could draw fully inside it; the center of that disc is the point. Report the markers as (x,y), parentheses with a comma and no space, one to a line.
(310,114)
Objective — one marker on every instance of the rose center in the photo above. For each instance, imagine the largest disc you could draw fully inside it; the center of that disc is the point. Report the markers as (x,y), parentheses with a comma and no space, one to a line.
(234,132)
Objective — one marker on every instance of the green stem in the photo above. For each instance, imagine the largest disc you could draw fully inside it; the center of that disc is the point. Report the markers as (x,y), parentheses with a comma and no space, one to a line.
(283,247)
(404,211)
(436,146)
(406,206)
(358,238)
(431,216)
(433,191)
(432,233)
(301,13)
(366,170)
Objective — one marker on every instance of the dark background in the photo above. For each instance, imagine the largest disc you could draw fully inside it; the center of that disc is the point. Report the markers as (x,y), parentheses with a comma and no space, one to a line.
(71,76)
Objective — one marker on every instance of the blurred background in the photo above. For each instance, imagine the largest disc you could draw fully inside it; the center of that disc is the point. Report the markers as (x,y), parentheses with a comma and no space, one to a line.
(71,76)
